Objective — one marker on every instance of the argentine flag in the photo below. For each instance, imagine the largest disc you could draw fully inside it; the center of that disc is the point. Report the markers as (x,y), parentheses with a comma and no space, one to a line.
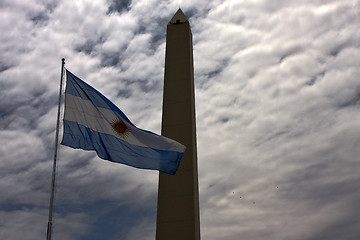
(92,122)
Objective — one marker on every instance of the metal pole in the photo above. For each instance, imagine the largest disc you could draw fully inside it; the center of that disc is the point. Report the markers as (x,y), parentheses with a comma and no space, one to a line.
(51,207)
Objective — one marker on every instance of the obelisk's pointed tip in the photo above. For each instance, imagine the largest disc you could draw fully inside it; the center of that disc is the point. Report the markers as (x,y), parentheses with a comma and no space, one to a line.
(179,17)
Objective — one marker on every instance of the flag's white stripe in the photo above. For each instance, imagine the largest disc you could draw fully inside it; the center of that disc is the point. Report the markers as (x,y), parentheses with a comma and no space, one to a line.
(99,119)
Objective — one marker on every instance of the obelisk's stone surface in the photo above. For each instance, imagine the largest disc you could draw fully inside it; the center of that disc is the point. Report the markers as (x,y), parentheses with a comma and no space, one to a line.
(178,196)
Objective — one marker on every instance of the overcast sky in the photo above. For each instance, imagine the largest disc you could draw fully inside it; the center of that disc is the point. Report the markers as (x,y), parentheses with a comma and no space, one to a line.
(277,104)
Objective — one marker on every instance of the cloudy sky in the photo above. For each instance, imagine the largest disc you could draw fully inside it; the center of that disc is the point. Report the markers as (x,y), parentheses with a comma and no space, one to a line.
(277,104)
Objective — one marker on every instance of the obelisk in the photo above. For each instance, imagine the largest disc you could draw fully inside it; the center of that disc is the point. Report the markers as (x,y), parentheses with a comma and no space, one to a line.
(178,195)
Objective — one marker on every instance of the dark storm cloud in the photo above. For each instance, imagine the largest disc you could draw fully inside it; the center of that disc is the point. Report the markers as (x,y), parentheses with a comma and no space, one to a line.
(110,59)
(5,66)
(156,28)
(315,78)
(124,93)
(352,99)
(289,52)
(344,227)
(317,185)
(107,218)
(40,19)
(322,190)
(89,45)
(157,39)
(26,110)
(119,5)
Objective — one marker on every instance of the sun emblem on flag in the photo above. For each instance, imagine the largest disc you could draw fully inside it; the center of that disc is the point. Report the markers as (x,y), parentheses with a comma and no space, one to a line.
(120,127)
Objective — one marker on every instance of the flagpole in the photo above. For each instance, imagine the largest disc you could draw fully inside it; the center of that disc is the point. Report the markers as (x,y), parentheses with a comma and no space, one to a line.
(51,207)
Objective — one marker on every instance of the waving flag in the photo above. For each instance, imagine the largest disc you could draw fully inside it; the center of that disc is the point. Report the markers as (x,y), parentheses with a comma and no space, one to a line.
(92,122)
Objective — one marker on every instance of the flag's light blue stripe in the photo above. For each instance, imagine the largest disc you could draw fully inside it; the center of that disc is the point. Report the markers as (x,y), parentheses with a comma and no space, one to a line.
(77,87)
(117,150)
